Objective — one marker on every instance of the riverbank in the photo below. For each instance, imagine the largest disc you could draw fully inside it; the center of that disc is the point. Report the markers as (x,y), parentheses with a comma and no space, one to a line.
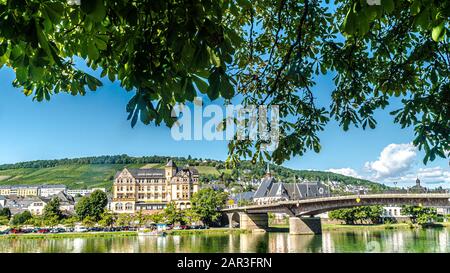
(368,227)
(217,231)
(69,235)
(206,231)
(210,231)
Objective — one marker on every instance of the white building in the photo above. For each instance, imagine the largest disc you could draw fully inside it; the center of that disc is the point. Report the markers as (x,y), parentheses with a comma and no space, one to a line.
(49,190)
(443,210)
(37,208)
(83,192)
(2,201)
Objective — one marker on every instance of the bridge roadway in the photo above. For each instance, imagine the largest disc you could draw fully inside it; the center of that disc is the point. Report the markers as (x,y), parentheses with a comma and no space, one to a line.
(301,212)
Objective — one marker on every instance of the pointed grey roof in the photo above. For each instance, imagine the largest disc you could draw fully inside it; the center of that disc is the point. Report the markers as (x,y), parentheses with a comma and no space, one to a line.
(243,196)
(264,187)
(270,188)
(278,190)
(171,164)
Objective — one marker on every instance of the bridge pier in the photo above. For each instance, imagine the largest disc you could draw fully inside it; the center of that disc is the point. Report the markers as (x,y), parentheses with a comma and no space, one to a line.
(305,225)
(230,219)
(254,221)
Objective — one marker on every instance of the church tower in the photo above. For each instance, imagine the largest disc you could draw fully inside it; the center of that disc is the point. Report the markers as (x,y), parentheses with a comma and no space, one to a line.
(170,169)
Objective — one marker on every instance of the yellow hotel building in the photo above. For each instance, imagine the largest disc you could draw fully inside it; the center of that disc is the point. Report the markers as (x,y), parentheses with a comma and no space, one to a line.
(150,190)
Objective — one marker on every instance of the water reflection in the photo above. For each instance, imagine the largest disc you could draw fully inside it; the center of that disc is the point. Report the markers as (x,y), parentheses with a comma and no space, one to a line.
(430,240)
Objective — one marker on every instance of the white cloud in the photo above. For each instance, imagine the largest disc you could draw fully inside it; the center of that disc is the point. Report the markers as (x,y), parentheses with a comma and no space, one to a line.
(394,160)
(345,171)
(433,177)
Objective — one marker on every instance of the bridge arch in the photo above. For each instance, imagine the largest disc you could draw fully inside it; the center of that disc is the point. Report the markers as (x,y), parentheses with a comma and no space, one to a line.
(233,219)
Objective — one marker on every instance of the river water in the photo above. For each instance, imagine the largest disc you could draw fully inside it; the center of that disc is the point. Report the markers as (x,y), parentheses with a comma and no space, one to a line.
(420,240)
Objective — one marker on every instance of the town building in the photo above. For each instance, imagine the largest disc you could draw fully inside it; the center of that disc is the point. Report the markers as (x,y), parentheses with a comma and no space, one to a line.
(66,202)
(394,213)
(150,190)
(417,188)
(5,190)
(443,210)
(49,190)
(2,201)
(241,198)
(19,204)
(270,190)
(37,207)
(83,192)
(24,190)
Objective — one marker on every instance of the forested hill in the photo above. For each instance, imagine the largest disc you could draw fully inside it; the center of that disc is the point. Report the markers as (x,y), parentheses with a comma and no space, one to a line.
(99,171)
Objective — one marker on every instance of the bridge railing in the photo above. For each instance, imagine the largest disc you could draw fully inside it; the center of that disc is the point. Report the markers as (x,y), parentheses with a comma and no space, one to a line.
(384,194)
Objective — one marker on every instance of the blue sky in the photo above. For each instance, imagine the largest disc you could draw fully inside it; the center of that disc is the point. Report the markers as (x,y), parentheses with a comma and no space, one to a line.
(96,124)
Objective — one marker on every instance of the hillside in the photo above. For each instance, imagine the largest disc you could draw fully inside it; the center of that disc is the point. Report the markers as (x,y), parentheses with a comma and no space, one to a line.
(99,171)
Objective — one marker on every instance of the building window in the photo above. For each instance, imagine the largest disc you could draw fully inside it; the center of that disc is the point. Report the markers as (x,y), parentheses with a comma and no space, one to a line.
(118,206)
(129,206)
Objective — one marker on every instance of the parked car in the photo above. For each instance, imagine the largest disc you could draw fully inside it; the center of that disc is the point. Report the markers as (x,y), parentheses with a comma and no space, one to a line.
(199,227)
(69,229)
(95,229)
(28,230)
(15,231)
(81,229)
(43,230)
(57,230)
(6,231)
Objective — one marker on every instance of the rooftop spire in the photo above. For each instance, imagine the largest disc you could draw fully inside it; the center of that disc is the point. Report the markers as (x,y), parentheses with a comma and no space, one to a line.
(268,170)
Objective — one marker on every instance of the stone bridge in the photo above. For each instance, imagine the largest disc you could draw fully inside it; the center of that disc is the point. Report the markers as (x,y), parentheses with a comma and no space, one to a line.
(302,212)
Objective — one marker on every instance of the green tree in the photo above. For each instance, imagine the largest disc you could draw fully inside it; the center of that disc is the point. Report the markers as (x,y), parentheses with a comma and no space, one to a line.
(36,220)
(4,221)
(92,206)
(156,217)
(172,214)
(83,208)
(360,215)
(206,203)
(5,212)
(270,52)
(123,220)
(21,218)
(70,221)
(107,219)
(346,215)
(52,210)
(190,216)
(419,214)
(51,221)
(89,221)
(99,201)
